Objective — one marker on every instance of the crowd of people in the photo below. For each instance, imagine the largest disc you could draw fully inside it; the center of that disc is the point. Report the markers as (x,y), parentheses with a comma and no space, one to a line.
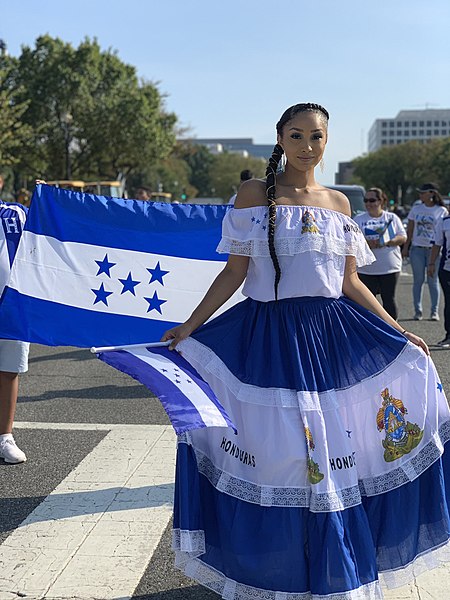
(311,369)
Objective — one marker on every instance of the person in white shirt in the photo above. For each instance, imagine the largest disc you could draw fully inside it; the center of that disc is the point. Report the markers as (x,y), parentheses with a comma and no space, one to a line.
(13,353)
(442,239)
(422,221)
(385,234)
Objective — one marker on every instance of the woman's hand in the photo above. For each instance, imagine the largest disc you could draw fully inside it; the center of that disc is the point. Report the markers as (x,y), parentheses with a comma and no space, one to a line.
(373,244)
(431,269)
(176,334)
(405,251)
(40,181)
(418,341)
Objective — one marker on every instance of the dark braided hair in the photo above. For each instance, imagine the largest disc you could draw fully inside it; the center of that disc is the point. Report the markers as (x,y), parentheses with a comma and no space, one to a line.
(271,178)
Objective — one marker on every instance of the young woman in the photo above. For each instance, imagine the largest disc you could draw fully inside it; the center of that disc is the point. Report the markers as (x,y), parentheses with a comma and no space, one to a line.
(442,239)
(422,221)
(385,234)
(335,474)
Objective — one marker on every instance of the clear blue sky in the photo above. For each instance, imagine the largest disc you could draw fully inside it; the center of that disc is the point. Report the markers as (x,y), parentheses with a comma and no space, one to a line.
(230,68)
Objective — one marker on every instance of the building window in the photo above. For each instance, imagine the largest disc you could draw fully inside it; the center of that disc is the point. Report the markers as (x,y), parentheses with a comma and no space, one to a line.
(420,131)
(391,134)
(436,123)
(421,123)
(399,123)
(414,123)
(384,142)
(391,124)
(414,132)
(406,133)
(436,132)
(406,123)
(444,123)
(444,132)
(383,124)
(428,123)
(428,131)
(383,133)
(391,142)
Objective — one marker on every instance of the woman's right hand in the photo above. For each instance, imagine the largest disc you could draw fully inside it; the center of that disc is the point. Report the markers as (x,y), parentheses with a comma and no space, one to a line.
(405,251)
(176,334)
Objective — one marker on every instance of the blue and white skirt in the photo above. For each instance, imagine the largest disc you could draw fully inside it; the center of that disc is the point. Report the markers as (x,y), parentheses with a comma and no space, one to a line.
(337,475)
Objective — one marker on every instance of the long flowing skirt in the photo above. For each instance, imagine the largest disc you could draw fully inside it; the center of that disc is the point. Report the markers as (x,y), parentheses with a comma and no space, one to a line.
(337,474)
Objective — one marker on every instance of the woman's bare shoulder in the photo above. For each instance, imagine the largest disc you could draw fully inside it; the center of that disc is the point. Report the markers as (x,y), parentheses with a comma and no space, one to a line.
(251,193)
(339,202)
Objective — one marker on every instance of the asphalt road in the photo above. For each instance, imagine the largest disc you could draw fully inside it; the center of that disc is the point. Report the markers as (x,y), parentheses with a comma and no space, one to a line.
(69,386)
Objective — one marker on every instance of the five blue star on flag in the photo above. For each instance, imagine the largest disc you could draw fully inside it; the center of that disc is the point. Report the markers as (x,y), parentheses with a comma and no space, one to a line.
(101,295)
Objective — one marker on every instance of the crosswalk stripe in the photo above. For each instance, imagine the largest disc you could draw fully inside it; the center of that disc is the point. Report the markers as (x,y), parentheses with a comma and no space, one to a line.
(93,536)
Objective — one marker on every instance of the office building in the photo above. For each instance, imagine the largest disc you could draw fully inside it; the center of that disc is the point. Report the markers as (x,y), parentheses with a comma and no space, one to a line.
(243,146)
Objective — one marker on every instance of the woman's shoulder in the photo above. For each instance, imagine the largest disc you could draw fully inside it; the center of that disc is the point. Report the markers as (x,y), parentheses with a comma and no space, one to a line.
(251,193)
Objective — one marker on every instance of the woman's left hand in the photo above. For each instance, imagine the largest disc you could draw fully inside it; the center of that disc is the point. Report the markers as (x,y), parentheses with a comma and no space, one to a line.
(418,341)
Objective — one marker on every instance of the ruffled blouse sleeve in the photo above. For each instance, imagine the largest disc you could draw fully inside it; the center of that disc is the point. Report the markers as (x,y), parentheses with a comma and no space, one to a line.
(298,229)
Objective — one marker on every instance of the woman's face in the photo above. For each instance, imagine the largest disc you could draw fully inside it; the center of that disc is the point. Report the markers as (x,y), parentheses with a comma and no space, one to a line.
(303,140)
(374,205)
(427,198)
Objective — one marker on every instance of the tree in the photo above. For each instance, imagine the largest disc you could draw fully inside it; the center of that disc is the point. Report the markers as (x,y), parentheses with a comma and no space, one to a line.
(225,172)
(117,123)
(13,132)
(199,160)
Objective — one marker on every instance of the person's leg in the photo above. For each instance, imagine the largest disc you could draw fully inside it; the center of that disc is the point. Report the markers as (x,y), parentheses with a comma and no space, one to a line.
(433,286)
(371,281)
(418,257)
(388,284)
(13,360)
(9,389)
(444,278)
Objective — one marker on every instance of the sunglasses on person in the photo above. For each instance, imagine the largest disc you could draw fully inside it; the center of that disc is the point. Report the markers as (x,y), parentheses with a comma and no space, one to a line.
(371,200)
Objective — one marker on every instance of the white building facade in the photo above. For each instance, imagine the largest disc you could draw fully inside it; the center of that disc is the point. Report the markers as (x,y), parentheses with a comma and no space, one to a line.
(408,125)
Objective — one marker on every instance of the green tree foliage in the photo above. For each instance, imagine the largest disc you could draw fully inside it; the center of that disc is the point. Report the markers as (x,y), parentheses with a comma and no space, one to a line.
(225,172)
(118,123)
(13,132)
(406,166)
(199,160)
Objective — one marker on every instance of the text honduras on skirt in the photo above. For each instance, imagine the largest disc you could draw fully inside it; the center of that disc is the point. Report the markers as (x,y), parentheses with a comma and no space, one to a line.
(338,471)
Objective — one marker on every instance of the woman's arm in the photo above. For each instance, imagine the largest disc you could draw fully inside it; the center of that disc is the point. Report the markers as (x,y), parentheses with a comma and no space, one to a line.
(432,260)
(223,287)
(398,240)
(354,289)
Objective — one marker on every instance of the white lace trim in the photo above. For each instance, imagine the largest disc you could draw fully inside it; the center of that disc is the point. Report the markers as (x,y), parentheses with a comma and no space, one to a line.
(229,589)
(208,362)
(187,560)
(431,559)
(305,497)
(289,246)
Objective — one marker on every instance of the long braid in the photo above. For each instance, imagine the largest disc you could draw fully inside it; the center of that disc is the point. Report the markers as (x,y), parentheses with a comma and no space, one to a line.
(271,178)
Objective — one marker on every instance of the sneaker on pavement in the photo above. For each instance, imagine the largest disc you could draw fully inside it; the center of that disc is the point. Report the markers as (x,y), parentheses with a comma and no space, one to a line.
(444,343)
(418,316)
(434,317)
(10,452)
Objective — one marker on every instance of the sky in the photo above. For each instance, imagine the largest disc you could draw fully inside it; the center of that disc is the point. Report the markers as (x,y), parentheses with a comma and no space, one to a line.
(230,68)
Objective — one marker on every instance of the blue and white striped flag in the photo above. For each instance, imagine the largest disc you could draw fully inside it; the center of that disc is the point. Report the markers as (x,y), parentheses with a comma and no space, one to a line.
(187,399)
(98,271)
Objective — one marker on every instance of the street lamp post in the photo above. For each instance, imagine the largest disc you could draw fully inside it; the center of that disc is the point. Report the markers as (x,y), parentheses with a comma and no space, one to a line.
(67,119)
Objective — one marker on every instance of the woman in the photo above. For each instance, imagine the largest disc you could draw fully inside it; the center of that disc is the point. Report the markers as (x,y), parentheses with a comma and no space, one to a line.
(422,221)
(442,238)
(385,234)
(335,473)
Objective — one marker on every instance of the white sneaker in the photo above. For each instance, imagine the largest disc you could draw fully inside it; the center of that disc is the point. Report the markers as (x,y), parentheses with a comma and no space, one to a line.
(418,316)
(10,452)
(434,317)
(444,343)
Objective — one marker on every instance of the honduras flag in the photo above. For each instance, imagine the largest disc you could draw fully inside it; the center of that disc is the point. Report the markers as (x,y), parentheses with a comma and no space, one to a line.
(187,399)
(92,270)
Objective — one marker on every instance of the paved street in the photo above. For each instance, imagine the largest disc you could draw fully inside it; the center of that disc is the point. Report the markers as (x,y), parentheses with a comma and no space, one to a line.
(88,516)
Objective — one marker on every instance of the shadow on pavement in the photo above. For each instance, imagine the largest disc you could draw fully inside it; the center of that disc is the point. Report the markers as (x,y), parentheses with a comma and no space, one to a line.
(196,592)
(102,392)
(77,355)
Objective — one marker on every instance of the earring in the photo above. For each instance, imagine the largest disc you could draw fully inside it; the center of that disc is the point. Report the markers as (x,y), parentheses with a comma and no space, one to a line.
(322,165)
(283,163)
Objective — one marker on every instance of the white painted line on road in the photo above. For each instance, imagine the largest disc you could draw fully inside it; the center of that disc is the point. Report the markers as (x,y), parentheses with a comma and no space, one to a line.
(81,426)
(93,536)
